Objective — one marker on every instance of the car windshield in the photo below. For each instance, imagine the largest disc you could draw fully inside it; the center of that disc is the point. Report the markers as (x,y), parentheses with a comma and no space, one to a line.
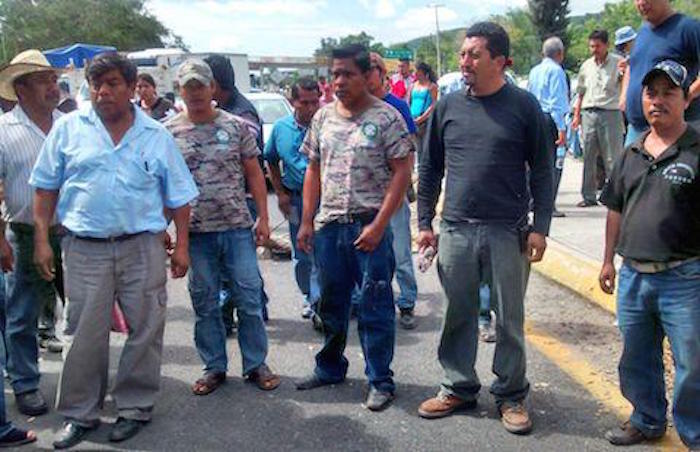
(270,110)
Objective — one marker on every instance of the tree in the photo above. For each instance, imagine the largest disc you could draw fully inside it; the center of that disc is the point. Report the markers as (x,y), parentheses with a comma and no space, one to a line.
(525,45)
(550,18)
(328,44)
(45,24)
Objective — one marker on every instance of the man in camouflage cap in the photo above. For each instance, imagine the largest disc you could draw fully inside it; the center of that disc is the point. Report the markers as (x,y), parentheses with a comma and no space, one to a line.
(358,149)
(222,154)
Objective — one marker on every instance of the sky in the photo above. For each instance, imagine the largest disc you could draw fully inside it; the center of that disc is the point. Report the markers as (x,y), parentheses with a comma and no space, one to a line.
(295,27)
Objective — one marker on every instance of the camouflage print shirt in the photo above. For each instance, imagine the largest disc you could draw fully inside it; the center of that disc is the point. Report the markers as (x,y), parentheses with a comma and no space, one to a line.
(354,155)
(214,153)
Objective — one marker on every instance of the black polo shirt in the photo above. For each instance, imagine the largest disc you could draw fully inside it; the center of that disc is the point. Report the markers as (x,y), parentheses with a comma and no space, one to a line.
(659,200)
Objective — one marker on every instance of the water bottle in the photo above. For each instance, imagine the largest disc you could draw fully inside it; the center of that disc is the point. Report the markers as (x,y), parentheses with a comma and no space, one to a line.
(425,258)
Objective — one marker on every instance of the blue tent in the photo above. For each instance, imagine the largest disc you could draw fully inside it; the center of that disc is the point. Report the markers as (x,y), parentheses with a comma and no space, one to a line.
(78,53)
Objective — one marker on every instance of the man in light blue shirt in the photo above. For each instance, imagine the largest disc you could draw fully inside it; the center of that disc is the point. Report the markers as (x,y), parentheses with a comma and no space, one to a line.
(113,172)
(283,147)
(547,82)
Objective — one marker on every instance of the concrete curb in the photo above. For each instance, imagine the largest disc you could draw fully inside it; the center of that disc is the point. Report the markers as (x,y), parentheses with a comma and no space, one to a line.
(576,272)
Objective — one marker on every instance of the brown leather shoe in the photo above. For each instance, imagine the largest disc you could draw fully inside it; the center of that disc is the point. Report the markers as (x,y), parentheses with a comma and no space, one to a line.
(627,434)
(515,418)
(442,405)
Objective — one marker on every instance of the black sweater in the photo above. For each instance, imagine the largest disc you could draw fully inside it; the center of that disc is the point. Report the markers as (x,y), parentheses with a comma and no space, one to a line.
(486,145)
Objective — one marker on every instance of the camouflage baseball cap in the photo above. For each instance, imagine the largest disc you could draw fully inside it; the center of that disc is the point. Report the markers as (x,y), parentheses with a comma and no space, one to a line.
(675,71)
(194,69)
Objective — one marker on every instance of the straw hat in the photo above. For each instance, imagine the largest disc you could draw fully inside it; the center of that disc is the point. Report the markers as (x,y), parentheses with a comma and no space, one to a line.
(27,62)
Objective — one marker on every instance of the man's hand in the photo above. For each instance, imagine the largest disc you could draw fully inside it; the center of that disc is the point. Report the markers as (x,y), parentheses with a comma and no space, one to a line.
(43,259)
(284,201)
(607,278)
(576,122)
(536,244)
(305,237)
(7,259)
(562,138)
(369,238)
(168,243)
(426,238)
(622,65)
(262,231)
(179,262)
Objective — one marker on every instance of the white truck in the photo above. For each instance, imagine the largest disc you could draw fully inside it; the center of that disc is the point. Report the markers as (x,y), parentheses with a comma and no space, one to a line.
(162,65)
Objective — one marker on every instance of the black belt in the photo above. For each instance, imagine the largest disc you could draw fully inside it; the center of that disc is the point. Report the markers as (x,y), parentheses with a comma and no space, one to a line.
(362,218)
(116,238)
(597,109)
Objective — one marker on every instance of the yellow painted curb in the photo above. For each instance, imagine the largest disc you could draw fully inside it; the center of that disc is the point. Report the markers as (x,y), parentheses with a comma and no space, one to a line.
(578,273)
(601,388)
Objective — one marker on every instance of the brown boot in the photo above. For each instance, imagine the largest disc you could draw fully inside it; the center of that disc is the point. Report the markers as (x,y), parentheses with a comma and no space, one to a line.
(443,405)
(627,434)
(515,418)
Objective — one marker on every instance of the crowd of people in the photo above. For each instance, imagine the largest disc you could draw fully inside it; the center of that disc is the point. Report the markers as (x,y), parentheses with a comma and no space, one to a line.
(88,197)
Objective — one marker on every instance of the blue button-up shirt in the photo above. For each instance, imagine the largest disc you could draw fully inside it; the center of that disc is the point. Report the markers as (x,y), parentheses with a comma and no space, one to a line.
(283,145)
(547,82)
(108,190)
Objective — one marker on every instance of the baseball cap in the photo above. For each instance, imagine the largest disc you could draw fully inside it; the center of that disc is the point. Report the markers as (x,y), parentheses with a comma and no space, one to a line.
(624,34)
(675,71)
(194,69)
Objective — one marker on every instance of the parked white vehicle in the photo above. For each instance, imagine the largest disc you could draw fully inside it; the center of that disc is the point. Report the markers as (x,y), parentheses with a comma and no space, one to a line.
(270,108)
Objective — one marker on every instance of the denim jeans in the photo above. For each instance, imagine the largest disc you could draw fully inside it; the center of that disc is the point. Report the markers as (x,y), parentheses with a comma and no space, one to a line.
(3,349)
(649,307)
(227,292)
(26,294)
(470,253)
(633,134)
(405,277)
(305,270)
(231,255)
(342,267)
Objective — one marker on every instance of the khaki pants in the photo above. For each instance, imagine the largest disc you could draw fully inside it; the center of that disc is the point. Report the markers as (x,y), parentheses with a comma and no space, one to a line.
(96,273)
(603,134)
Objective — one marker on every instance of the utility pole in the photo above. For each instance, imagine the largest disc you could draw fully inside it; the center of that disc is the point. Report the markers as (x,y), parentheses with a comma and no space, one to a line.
(437,6)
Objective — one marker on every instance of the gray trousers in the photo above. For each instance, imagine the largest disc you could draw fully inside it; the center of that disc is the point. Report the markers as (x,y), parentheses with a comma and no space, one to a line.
(603,134)
(96,273)
(468,254)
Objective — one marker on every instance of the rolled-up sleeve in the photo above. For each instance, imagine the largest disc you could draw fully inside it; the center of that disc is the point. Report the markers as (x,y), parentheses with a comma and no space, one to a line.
(48,171)
(177,183)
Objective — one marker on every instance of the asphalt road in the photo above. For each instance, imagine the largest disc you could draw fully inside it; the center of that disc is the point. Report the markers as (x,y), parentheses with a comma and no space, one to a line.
(240,417)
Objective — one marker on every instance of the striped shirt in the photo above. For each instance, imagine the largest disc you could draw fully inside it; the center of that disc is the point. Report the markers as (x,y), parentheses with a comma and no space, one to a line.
(20,143)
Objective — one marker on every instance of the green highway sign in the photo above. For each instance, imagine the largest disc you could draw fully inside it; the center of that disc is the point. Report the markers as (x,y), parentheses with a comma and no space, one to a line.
(399,54)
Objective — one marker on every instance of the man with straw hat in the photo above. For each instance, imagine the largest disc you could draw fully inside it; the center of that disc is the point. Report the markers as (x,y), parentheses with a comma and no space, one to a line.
(30,81)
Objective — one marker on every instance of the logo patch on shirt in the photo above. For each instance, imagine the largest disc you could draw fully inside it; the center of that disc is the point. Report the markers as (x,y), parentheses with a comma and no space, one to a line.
(370,130)
(679,174)
(222,136)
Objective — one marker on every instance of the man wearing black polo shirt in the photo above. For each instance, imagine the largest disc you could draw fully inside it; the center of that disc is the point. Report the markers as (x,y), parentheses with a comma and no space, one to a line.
(485,138)
(653,199)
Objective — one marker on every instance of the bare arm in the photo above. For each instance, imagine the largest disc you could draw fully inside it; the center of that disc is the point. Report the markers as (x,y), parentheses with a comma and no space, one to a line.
(283,198)
(180,259)
(256,183)
(694,91)
(426,114)
(577,112)
(622,104)
(43,211)
(312,193)
(372,234)
(612,235)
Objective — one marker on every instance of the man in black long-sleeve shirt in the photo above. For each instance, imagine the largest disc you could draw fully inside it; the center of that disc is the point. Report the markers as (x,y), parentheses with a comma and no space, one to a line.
(485,139)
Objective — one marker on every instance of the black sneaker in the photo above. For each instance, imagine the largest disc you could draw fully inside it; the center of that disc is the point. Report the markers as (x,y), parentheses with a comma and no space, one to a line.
(377,400)
(406,319)
(51,344)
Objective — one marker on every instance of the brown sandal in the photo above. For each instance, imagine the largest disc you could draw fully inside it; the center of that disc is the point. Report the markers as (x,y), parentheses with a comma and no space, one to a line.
(264,378)
(208,383)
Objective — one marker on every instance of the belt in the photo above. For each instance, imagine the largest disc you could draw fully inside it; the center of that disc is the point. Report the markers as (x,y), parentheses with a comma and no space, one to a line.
(113,239)
(657,267)
(597,109)
(362,218)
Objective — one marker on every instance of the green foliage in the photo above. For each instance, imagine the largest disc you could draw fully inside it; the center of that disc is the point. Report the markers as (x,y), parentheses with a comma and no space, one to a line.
(328,44)
(45,24)
(550,18)
(525,45)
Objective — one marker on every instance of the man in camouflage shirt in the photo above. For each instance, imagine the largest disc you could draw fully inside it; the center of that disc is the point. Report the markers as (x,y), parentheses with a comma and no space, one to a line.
(358,150)
(222,155)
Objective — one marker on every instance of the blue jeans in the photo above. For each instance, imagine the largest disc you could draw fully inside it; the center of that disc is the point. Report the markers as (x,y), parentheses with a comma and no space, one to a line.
(649,307)
(5,425)
(405,277)
(342,267)
(231,255)
(27,293)
(633,134)
(305,270)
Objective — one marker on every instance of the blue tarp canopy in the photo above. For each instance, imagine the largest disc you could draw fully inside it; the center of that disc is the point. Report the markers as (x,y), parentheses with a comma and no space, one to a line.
(78,53)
